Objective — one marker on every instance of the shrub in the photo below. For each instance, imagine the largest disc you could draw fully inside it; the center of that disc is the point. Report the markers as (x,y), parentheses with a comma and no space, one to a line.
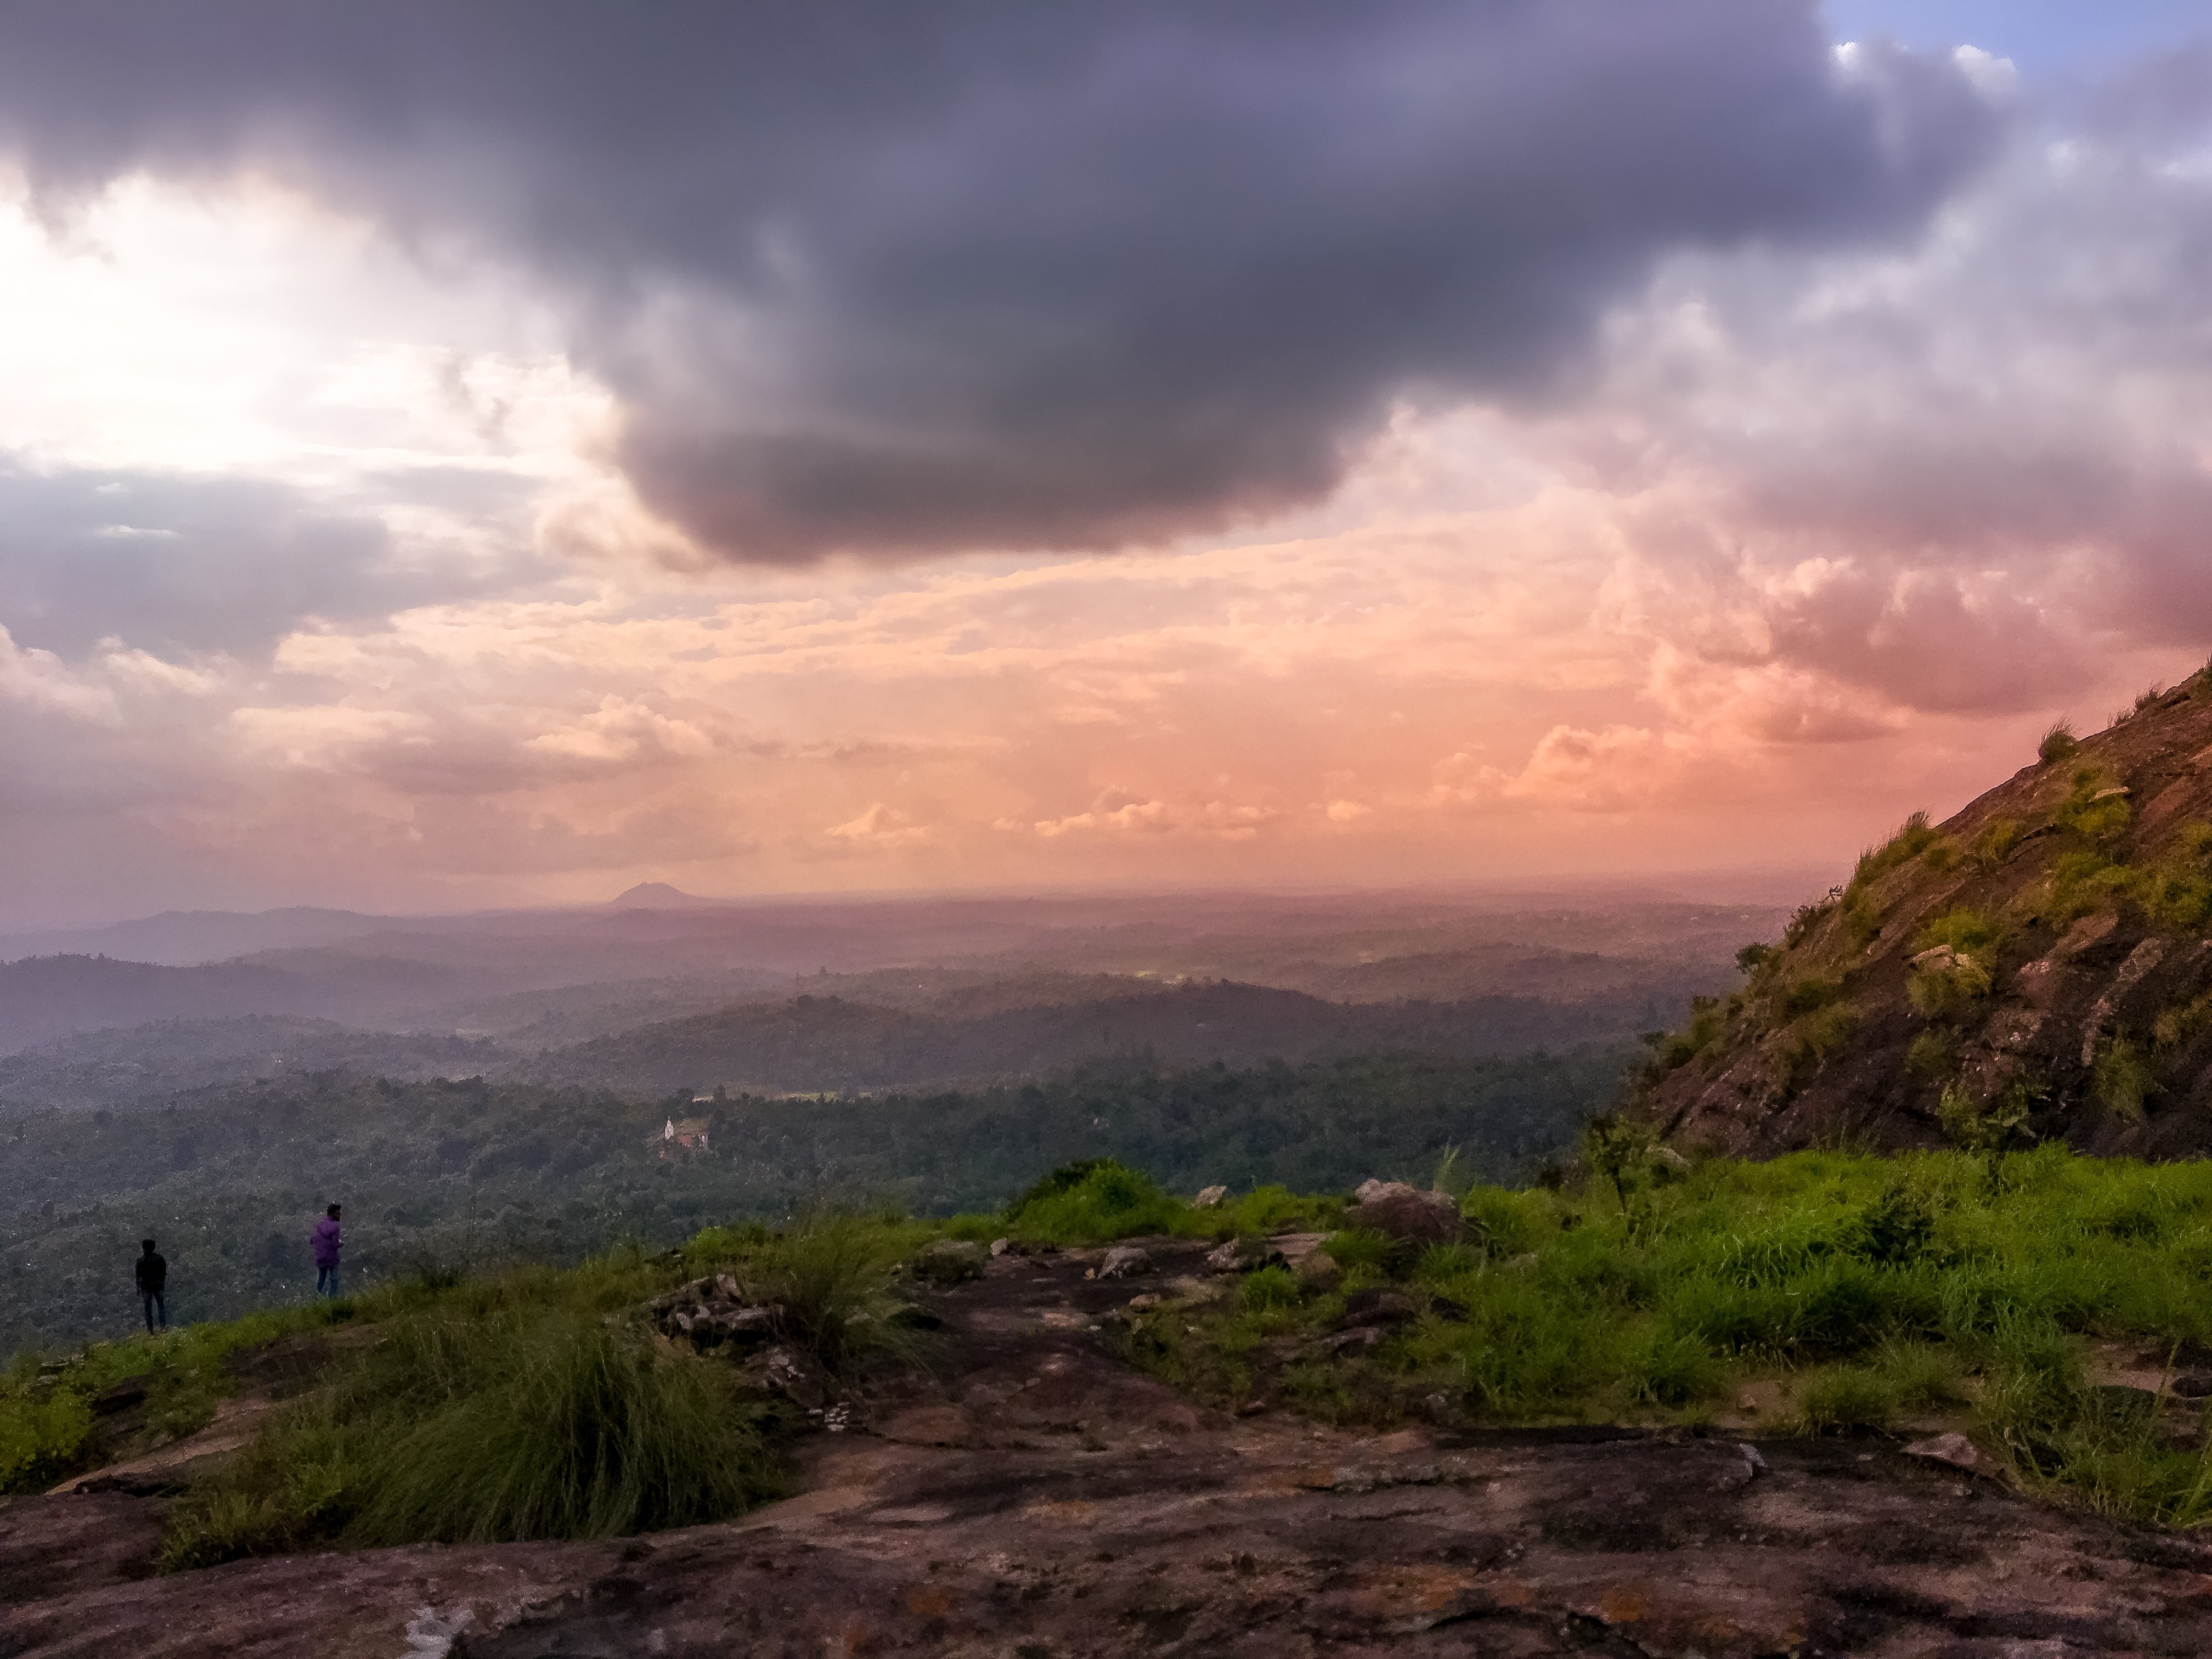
(1803,996)
(1094,1202)
(1912,838)
(830,1279)
(1842,1398)
(1805,917)
(39,1438)
(2096,806)
(1268,1290)
(1930,1058)
(1963,930)
(2057,742)
(2121,1081)
(1945,991)
(1752,957)
(1993,844)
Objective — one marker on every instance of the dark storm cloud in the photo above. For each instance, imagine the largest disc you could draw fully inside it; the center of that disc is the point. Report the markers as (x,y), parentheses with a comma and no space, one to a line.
(177,564)
(889,278)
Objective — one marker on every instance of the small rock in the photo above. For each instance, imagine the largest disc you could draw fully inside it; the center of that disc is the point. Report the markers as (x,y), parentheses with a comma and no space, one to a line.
(1210,1198)
(1001,1246)
(1361,1337)
(2198,1385)
(1954,1449)
(1124,1261)
(1403,1211)
(1757,1464)
(1141,1303)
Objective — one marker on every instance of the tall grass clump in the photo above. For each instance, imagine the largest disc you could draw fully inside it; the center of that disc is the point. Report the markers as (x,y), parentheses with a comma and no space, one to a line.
(2057,742)
(829,1280)
(505,1411)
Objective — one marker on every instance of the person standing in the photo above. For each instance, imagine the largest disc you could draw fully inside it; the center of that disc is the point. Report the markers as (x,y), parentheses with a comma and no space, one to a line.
(152,1272)
(325,1242)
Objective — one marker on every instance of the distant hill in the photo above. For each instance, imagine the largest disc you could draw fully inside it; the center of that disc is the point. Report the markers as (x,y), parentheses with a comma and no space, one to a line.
(177,938)
(822,1043)
(165,1058)
(2037,966)
(42,998)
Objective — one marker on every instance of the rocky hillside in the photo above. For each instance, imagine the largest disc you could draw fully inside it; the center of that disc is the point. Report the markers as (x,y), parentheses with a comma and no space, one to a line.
(2038,967)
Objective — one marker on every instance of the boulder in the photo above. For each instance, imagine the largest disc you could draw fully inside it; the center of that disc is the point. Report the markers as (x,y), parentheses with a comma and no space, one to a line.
(1209,1198)
(1403,1211)
(1001,1246)
(949,1261)
(1124,1261)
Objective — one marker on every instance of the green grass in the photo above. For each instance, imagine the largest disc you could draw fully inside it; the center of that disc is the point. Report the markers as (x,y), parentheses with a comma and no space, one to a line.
(1878,1291)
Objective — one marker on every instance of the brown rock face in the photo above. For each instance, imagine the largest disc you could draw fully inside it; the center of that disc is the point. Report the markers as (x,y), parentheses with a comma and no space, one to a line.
(2042,958)
(1031,1495)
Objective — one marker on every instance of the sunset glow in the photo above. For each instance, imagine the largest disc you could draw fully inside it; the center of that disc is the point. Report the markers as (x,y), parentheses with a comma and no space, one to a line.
(356,551)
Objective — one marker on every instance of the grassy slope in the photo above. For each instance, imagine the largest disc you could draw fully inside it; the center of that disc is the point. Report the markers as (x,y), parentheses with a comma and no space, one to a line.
(1868,1289)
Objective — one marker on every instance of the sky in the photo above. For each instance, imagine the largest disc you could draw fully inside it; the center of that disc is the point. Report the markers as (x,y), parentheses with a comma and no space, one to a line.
(467,456)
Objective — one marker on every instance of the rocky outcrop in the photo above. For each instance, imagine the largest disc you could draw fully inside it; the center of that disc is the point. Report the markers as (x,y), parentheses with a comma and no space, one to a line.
(1027,1494)
(2039,966)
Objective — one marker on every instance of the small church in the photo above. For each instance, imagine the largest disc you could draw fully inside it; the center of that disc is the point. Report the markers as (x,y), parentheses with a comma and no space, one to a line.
(682,1136)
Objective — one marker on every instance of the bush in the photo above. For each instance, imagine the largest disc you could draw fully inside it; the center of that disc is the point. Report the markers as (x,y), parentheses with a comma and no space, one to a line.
(1993,844)
(2122,1082)
(40,1437)
(1912,838)
(2057,742)
(1931,1058)
(1945,991)
(1094,1202)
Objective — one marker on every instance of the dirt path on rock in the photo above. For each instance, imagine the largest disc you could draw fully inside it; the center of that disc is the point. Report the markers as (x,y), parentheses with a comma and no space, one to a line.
(1035,1498)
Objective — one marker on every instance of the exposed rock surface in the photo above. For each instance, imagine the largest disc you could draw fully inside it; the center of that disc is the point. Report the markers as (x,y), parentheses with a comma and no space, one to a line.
(1032,1496)
(2113,956)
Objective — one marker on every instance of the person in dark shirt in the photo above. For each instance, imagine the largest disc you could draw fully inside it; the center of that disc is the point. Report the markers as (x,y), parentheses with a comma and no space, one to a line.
(153,1275)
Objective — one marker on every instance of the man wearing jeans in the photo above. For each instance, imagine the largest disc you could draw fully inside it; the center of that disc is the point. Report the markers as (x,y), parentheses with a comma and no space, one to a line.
(152,1273)
(325,1241)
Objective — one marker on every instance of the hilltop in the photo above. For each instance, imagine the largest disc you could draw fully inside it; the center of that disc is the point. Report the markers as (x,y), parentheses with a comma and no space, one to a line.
(2035,968)
(1135,1424)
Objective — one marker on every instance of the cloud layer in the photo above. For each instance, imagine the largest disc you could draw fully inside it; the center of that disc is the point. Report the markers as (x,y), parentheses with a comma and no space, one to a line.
(884,279)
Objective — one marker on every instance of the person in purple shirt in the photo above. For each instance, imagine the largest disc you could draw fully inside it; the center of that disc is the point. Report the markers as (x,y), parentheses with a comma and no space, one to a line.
(325,1243)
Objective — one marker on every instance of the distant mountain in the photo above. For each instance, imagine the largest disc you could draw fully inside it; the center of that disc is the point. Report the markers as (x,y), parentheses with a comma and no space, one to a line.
(659,895)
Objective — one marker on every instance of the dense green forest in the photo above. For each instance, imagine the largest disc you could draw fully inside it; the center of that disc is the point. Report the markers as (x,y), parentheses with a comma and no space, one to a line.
(465,1174)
